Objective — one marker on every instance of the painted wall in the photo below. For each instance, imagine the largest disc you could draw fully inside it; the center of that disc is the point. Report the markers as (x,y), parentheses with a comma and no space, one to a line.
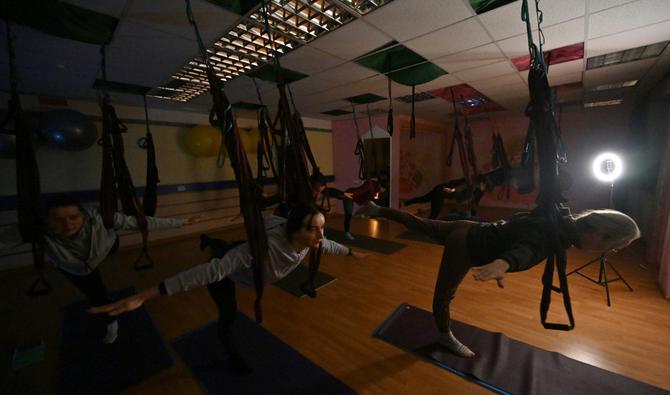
(421,160)
(63,171)
(586,133)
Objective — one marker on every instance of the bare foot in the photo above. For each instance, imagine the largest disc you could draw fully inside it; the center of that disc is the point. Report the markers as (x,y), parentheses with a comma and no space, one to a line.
(449,341)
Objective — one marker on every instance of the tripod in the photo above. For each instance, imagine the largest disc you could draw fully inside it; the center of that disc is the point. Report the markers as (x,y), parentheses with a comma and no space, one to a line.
(602,272)
(602,275)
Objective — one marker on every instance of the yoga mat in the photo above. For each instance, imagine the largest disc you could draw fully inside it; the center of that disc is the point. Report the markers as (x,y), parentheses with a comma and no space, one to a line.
(277,368)
(416,236)
(297,277)
(87,366)
(503,365)
(380,246)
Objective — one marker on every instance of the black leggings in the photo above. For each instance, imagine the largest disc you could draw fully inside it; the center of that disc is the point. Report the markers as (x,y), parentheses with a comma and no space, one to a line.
(455,258)
(347,205)
(436,198)
(223,294)
(92,287)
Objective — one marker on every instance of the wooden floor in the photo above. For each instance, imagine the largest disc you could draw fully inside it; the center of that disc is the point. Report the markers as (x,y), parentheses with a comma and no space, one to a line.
(631,338)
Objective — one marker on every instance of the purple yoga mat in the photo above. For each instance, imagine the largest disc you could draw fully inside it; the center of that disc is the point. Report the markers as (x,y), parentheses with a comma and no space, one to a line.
(502,364)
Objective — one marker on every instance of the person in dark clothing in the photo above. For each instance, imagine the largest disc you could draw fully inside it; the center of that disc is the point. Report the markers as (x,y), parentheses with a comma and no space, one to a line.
(369,190)
(457,190)
(491,249)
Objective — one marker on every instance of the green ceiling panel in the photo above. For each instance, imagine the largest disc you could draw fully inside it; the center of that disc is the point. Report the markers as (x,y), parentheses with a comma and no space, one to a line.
(267,73)
(412,68)
(365,98)
(392,58)
(482,6)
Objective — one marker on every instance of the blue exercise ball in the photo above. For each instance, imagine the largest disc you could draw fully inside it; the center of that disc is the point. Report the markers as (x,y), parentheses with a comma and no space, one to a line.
(68,129)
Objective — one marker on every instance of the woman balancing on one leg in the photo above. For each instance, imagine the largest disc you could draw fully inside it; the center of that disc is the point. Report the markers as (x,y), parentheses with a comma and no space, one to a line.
(77,242)
(289,241)
(458,190)
(491,249)
(361,194)
(367,191)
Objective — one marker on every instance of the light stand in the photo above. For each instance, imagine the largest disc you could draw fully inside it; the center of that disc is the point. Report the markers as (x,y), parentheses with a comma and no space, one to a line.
(613,168)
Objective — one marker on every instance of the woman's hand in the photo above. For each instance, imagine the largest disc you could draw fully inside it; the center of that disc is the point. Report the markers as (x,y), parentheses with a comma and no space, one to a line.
(349,195)
(370,209)
(130,303)
(493,271)
(191,221)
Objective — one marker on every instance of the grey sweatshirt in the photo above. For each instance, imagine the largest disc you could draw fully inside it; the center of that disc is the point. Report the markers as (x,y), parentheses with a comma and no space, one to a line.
(83,253)
(236,264)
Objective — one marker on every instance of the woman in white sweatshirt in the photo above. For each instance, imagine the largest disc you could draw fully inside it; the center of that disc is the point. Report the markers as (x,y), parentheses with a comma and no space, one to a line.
(77,241)
(289,241)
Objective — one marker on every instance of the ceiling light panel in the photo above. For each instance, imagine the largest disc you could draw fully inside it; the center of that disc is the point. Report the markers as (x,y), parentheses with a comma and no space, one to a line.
(255,40)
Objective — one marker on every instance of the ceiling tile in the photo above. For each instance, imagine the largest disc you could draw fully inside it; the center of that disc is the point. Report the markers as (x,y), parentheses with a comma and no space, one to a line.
(311,85)
(170,17)
(132,56)
(407,19)
(506,21)
(599,5)
(455,38)
(629,39)
(497,82)
(440,82)
(242,88)
(488,71)
(556,36)
(309,60)
(562,79)
(628,16)
(351,40)
(575,66)
(480,56)
(348,72)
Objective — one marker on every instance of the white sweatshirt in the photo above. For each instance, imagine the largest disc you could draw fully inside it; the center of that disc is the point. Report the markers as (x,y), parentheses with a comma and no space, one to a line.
(236,264)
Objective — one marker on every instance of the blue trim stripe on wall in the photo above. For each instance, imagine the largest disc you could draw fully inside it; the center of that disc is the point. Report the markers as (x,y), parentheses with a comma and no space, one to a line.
(8,202)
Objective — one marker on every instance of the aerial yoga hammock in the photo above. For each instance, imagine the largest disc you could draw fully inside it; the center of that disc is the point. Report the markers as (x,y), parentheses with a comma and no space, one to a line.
(116,181)
(457,189)
(550,151)
(28,203)
(250,192)
(499,160)
(149,198)
(466,153)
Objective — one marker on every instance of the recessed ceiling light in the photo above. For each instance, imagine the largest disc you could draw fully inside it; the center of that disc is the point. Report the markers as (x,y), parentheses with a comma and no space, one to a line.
(628,55)
(603,103)
(249,45)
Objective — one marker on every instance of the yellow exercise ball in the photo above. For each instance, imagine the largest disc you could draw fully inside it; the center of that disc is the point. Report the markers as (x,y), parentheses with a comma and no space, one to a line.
(203,141)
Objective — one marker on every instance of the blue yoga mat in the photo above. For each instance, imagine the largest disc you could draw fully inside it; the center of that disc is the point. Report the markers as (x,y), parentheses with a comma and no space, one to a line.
(87,366)
(277,368)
